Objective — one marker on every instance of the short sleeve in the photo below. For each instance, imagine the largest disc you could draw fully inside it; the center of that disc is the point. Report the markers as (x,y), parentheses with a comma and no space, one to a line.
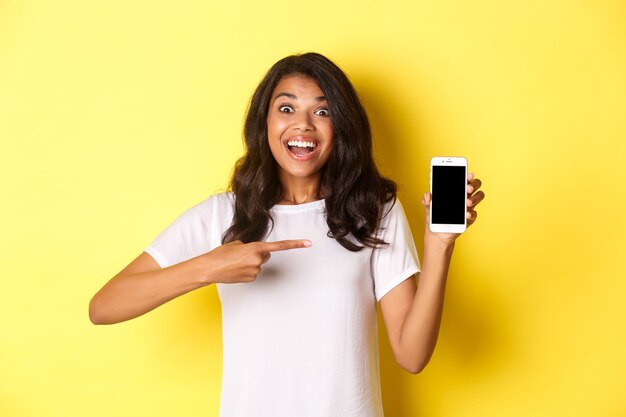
(191,234)
(395,262)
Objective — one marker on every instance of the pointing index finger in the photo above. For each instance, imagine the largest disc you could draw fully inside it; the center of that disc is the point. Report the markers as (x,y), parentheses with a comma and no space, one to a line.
(285,245)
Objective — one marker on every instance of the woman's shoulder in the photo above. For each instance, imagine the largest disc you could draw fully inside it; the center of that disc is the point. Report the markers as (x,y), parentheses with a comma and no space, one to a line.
(391,206)
(392,212)
(214,203)
(221,199)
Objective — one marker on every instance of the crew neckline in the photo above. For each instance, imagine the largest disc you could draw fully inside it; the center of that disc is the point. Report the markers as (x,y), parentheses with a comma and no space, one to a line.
(299,207)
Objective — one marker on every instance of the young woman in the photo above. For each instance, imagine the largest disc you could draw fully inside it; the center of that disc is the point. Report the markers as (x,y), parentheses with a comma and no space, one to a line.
(308,240)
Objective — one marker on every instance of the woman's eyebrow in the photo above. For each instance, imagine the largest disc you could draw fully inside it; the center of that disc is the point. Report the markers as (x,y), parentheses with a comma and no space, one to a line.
(294,97)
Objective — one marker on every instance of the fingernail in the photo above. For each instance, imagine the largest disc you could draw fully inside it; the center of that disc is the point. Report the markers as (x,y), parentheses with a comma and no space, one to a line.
(307,243)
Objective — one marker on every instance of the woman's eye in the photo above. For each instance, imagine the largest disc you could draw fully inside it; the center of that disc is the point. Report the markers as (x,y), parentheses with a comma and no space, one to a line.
(285,109)
(322,112)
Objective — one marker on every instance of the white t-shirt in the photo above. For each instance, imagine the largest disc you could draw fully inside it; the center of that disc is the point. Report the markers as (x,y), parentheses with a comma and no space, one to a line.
(300,340)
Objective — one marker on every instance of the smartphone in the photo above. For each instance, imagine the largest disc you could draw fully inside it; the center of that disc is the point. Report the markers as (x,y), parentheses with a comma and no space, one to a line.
(448,186)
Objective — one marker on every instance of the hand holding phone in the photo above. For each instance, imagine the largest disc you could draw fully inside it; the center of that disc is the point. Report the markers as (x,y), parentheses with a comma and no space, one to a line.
(448,186)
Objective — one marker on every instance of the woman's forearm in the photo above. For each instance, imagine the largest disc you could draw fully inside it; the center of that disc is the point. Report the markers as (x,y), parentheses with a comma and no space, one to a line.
(131,294)
(421,326)
(143,285)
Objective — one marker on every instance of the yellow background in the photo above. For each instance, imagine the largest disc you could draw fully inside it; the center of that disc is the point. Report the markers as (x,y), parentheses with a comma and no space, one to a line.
(117,116)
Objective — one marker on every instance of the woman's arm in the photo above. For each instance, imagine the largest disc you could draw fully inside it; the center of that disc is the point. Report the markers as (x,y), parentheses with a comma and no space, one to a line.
(143,285)
(412,313)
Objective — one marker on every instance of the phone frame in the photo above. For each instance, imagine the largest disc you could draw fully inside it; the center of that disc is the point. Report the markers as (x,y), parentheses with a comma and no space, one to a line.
(445,227)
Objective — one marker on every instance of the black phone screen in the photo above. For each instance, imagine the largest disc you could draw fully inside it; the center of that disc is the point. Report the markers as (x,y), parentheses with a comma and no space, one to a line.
(448,194)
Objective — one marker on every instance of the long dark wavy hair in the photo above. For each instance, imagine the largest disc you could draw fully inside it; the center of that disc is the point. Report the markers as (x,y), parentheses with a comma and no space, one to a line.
(353,189)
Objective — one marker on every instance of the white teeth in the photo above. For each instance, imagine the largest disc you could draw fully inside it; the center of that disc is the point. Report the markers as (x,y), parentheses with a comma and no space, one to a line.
(301,144)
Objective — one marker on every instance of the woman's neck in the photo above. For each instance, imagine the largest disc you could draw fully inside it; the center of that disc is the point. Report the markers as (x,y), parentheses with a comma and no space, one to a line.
(299,190)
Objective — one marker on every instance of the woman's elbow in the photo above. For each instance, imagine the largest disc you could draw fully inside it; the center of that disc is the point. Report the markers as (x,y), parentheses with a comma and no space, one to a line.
(414,369)
(414,365)
(96,313)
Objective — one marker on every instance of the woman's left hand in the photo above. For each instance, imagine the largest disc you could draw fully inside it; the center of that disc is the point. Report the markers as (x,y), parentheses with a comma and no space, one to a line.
(474,197)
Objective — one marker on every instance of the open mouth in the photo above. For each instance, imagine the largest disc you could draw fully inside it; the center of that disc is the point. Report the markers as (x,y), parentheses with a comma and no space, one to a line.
(301,147)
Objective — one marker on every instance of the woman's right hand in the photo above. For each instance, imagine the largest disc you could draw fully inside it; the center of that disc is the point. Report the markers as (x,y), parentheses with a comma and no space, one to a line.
(236,262)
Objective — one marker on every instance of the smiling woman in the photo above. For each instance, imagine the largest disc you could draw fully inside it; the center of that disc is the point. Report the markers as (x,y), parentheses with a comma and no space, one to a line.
(308,98)
(299,326)
(300,135)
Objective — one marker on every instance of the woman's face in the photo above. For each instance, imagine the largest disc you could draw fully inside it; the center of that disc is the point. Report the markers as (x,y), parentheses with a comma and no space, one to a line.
(299,129)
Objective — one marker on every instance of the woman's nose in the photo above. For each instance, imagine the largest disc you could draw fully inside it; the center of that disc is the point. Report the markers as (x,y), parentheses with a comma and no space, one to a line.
(303,122)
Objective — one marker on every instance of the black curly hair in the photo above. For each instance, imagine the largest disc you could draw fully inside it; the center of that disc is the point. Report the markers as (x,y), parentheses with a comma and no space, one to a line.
(353,189)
